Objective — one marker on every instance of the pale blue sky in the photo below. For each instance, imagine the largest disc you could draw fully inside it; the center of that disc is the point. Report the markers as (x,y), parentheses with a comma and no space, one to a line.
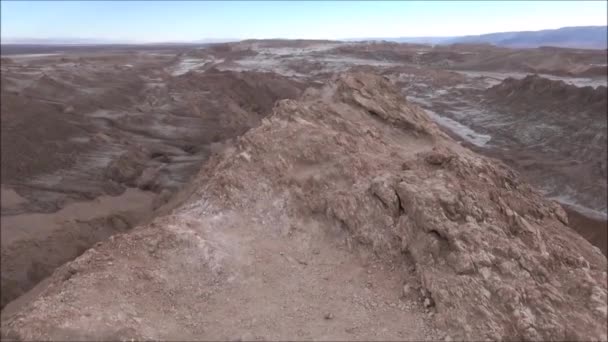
(148,21)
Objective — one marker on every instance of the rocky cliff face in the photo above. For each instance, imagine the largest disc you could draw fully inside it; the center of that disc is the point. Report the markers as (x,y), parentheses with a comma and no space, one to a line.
(485,254)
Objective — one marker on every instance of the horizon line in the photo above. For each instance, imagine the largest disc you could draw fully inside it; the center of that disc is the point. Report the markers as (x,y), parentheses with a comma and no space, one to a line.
(118,41)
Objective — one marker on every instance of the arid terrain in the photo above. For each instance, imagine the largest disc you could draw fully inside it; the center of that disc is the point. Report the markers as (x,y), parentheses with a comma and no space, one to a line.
(276,189)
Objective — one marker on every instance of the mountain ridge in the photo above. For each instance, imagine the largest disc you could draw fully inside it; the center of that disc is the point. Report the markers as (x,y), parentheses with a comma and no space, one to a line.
(590,37)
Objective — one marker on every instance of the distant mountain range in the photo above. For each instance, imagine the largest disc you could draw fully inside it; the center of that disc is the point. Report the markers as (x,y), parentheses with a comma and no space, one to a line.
(63,41)
(584,37)
(96,41)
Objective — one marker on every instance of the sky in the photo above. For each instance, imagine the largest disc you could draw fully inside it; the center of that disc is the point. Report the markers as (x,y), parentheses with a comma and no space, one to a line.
(159,21)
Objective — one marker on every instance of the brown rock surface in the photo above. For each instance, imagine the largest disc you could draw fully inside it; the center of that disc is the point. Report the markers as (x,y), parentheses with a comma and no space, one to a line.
(255,249)
(537,92)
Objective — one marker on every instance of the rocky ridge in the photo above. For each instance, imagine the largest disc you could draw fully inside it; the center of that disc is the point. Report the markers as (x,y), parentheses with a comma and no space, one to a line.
(490,257)
(551,95)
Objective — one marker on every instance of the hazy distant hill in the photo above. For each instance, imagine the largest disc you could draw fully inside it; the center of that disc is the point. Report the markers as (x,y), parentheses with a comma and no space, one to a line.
(63,41)
(589,37)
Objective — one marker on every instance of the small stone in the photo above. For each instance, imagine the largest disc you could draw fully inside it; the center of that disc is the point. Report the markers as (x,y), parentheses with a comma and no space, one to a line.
(428,302)
(329,315)
(447,338)
(406,290)
(486,273)
(72,269)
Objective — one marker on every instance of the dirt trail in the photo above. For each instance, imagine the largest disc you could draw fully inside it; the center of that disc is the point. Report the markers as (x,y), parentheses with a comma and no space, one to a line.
(249,284)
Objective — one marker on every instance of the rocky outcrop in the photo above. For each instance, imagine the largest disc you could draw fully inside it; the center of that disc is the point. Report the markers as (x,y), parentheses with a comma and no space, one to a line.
(536,92)
(494,260)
